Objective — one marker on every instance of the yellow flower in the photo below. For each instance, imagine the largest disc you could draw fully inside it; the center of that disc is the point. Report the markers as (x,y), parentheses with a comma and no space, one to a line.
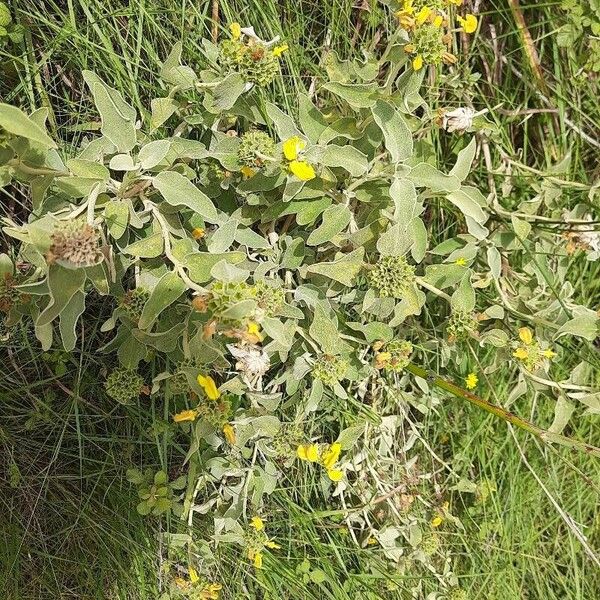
(248,172)
(549,353)
(257,523)
(308,452)
(436,521)
(526,335)
(211,592)
(471,381)
(236,30)
(423,15)
(193,575)
(372,541)
(335,474)
(198,233)
(292,146)
(257,557)
(279,50)
(186,415)
(207,383)
(253,329)
(438,21)
(461,262)
(521,353)
(469,23)
(331,455)
(271,544)
(302,170)
(456,2)
(417,63)
(229,433)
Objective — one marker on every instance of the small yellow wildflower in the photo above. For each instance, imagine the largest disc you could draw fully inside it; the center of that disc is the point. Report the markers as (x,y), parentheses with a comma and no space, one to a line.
(186,415)
(423,15)
(211,592)
(229,433)
(456,2)
(198,233)
(372,541)
(207,383)
(279,50)
(331,455)
(417,63)
(247,172)
(308,452)
(335,474)
(469,23)
(521,353)
(526,335)
(236,31)
(471,381)
(549,353)
(194,577)
(256,557)
(438,21)
(461,262)
(292,146)
(257,523)
(437,521)
(271,544)
(302,170)
(253,330)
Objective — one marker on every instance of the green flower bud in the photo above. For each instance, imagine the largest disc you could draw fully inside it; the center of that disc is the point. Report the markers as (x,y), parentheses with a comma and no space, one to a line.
(5,16)
(224,295)
(269,299)
(457,594)
(395,355)
(329,369)
(217,412)
(254,145)
(254,61)
(461,326)
(133,302)
(124,385)
(430,544)
(392,277)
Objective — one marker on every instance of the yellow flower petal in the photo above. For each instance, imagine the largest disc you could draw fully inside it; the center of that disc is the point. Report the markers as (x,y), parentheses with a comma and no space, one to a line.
(229,433)
(253,329)
(279,50)
(258,560)
(438,21)
(331,455)
(257,523)
(292,146)
(471,381)
(207,383)
(423,15)
(549,353)
(436,521)
(308,452)
(526,335)
(417,63)
(335,474)
(302,170)
(271,544)
(193,575)
(198,233)
(248,172)
(461,262)
(236,30)
(186,415)
(469,23)
(521,353)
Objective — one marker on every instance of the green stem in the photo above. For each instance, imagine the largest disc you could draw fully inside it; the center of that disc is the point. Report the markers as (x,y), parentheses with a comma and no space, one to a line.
(542,434)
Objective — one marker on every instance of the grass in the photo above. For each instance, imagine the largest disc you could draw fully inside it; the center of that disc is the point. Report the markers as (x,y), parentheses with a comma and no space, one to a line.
(70,529)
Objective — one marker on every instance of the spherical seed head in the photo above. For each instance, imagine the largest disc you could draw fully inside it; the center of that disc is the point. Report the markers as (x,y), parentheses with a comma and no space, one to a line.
(124,385)
(269,299)
(223,295)
(253,145)
(458,594)
(133,302)
(9,295)
(392,277)
(461,326)
(254,61)
(329,369)
(428,43)
(400,351)
(75,243)
(430,544)
(5,16)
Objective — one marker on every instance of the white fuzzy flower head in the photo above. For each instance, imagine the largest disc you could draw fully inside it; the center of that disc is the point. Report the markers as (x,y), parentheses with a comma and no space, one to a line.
(459,119)
(252,363)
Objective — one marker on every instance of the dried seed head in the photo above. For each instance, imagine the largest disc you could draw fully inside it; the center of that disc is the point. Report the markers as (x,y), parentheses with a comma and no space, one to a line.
(75,243)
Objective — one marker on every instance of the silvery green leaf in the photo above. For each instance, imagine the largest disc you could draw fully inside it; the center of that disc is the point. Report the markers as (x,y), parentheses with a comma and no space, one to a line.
(521,227)
(373,331)
(122,162)
(314,397)
(200,264)
(279,332)
(173,72)
(165,341)
(495,337)
(584,325)
(152,153)
(80,167)
(225,94)
(223,237)
(463,299)
(343,269)
(311,120)
(118,117)
(396,241)
(494,261)
(68,320)
(562,413)
(464,200)
(284,125)
(63,284)
(419,234)
(15,121)
(398,137)
(162,109)
(464,161)
(346,157)
(324,331)
(149,247)
(168,289)
(427,176)
(345,127)
(225,271)
(116,217)
(178,190)
(357,95)
(335,219)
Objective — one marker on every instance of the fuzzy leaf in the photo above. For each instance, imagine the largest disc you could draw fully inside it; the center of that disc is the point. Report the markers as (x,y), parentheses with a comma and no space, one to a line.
(178,190)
